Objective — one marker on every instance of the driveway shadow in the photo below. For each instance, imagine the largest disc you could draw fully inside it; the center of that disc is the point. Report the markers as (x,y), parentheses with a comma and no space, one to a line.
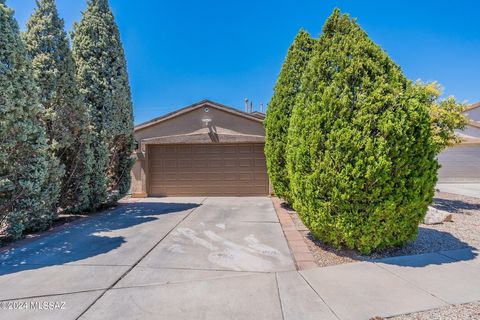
(85,238)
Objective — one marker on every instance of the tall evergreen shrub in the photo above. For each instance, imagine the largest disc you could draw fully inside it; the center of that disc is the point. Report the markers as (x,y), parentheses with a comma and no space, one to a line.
(361,154)
(28,190)
(64,115)
(279,112)
(103,82)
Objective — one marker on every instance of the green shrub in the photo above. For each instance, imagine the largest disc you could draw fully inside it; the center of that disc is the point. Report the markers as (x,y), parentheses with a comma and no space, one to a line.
(360,154)
(103,82)
(64,116)
(446,115)
(27,186)
(279,111)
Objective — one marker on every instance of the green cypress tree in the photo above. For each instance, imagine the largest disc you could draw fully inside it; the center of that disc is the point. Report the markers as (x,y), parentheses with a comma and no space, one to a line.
(361,154)
(279,111)
(103,81)
(65,117)
(27,189)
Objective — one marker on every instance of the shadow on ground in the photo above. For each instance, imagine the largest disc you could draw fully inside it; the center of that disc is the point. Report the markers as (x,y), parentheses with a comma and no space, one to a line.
(434,258)
(427,241)
(454,206)
(85,238)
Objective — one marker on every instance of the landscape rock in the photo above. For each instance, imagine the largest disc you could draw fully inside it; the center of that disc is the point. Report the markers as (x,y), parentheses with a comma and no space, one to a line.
(435,216)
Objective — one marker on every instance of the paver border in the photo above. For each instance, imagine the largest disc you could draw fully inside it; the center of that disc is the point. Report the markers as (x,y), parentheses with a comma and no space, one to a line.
(302,255)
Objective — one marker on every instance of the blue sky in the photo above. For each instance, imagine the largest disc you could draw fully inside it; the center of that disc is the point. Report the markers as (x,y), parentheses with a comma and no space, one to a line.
(180,52)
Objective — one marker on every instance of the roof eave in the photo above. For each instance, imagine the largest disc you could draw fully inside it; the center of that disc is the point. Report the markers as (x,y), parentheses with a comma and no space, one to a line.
(472,106)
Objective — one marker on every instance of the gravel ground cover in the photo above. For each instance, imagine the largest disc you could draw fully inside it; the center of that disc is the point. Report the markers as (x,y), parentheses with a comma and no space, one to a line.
(462,232)
(470,311)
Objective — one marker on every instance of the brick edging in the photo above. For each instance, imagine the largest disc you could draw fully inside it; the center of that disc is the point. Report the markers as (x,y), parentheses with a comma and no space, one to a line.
(301,253)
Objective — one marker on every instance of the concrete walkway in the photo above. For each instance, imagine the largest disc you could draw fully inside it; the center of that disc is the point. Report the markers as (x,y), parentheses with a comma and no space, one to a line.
(213,258)
(463,189)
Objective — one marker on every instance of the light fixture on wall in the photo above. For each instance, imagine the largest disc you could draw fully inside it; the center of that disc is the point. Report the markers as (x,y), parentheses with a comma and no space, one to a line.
(207,122)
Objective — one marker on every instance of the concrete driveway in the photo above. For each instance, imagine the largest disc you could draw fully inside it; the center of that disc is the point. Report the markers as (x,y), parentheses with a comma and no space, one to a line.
(213,258)
(171,258)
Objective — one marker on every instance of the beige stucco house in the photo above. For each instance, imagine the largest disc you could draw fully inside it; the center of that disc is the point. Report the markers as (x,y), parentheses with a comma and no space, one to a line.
(206,149)
(461,163)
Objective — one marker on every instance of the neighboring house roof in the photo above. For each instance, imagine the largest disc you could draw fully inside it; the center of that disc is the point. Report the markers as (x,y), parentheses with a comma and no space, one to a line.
(201,104)
(467,138)
(473,122)
(258,114)
(471,107)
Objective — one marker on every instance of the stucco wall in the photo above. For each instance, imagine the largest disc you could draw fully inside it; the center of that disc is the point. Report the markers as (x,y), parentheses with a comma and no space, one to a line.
(191,122)
(471,131)
(138,186)
(474,114)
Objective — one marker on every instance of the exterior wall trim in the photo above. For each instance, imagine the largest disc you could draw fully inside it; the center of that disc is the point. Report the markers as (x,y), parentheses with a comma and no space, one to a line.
(202,139)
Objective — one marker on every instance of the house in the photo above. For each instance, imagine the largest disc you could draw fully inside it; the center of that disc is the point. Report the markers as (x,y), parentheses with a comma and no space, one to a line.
(206,149)
(461,163)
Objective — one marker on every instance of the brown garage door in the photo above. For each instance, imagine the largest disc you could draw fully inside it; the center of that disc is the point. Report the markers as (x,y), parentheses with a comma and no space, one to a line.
(208,170)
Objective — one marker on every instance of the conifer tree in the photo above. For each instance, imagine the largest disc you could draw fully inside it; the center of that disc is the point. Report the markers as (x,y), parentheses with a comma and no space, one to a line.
(361,154)
(64,115)
(27,187)
(103,82)
(279,111)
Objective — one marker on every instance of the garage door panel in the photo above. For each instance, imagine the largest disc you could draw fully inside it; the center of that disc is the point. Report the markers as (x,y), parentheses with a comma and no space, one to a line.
(182,149)
(168,163)
(215,163)
(230,162)
(163,176)
(258,148)
(245,149)
(259,178)
(245,176)
(185,164)
(245,162)
(199,163)
(210,170)
(260,163)
(227,150)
